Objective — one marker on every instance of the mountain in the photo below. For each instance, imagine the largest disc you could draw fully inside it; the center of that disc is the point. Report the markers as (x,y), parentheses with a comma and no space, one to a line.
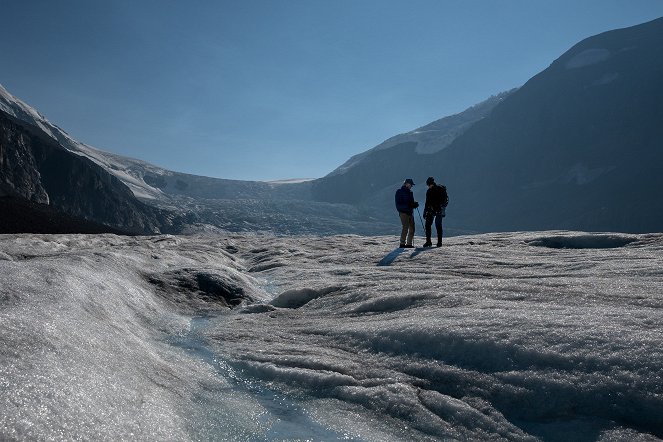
(579,146)
(428,139)
(41,164)
(36,169)
(369,179)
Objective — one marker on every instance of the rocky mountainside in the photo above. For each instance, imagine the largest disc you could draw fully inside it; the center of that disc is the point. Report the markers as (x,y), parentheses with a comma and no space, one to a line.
(18,215)
(579,146)
(35,168)
(147,181)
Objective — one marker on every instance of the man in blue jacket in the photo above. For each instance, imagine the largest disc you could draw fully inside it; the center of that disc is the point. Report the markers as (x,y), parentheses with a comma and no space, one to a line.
(405,204)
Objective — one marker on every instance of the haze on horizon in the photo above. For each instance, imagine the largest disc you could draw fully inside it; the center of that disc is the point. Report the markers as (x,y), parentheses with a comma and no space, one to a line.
(264,90)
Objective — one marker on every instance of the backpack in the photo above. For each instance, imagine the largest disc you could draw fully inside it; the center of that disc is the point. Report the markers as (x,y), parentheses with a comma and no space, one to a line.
(444,197)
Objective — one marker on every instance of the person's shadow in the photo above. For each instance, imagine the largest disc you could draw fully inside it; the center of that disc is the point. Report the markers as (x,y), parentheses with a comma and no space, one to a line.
(391,257)
(418,250)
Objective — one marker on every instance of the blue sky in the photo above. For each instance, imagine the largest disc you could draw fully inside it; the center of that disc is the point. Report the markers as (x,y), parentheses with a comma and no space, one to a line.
(277,89)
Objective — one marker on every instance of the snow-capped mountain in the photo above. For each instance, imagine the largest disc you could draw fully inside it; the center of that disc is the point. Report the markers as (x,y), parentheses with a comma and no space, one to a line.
(35,169)
(430,138)
(579,146)
(121,167)
(152,199)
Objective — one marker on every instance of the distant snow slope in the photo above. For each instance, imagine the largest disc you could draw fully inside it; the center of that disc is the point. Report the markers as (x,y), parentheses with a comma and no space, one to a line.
(227,204)
(126,169)
(550,336)
(433,137)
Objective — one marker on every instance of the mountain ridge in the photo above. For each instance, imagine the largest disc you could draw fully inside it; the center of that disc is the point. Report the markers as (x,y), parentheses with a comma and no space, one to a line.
(576,147)
(38,169)
(434,136)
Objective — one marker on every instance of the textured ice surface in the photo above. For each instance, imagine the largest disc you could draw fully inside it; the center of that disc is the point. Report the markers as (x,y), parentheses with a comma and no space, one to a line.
(84,344)
(523,336)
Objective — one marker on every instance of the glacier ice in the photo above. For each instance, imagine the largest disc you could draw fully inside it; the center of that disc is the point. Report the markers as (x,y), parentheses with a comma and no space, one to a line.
(511,336)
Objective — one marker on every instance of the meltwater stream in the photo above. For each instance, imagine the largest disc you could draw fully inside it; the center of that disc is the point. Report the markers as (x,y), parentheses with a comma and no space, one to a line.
(286,419)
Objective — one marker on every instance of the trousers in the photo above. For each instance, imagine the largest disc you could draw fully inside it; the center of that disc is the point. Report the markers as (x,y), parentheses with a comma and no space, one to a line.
(407,232)
(438,226)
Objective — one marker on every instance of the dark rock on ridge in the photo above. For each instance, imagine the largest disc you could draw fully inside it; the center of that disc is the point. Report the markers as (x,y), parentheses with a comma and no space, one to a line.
(19,215)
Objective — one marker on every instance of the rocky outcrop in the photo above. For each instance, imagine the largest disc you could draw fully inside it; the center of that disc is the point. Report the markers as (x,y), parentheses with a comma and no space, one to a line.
(18,215)
(19,176)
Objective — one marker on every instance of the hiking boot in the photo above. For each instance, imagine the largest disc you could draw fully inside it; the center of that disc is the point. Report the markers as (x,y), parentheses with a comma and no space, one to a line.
(439,243)
(401,246)
(428,244)
(409,246)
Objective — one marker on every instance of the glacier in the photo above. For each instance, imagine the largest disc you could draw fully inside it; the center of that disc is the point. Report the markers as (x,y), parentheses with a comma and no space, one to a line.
(507,336)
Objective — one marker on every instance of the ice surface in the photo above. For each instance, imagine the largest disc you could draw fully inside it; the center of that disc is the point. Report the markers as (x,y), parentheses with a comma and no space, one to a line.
(587,241)
(83,345)
(515,336)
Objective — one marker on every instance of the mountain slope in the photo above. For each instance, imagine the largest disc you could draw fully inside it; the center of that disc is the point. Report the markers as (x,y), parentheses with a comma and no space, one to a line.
(432,137)
(367,174)
(41,163)
(147,181)
(36,168)
(579,146)
(176,198)
(18,215)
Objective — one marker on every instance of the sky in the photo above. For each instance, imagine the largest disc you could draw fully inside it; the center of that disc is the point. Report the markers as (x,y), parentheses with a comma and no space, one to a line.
(278,89)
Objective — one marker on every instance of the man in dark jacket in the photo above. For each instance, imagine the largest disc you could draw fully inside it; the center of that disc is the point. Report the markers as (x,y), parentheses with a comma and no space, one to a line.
(435,208)
(405,203)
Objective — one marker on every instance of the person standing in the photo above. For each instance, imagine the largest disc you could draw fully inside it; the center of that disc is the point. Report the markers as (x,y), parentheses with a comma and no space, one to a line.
(435,209)
(405,204)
